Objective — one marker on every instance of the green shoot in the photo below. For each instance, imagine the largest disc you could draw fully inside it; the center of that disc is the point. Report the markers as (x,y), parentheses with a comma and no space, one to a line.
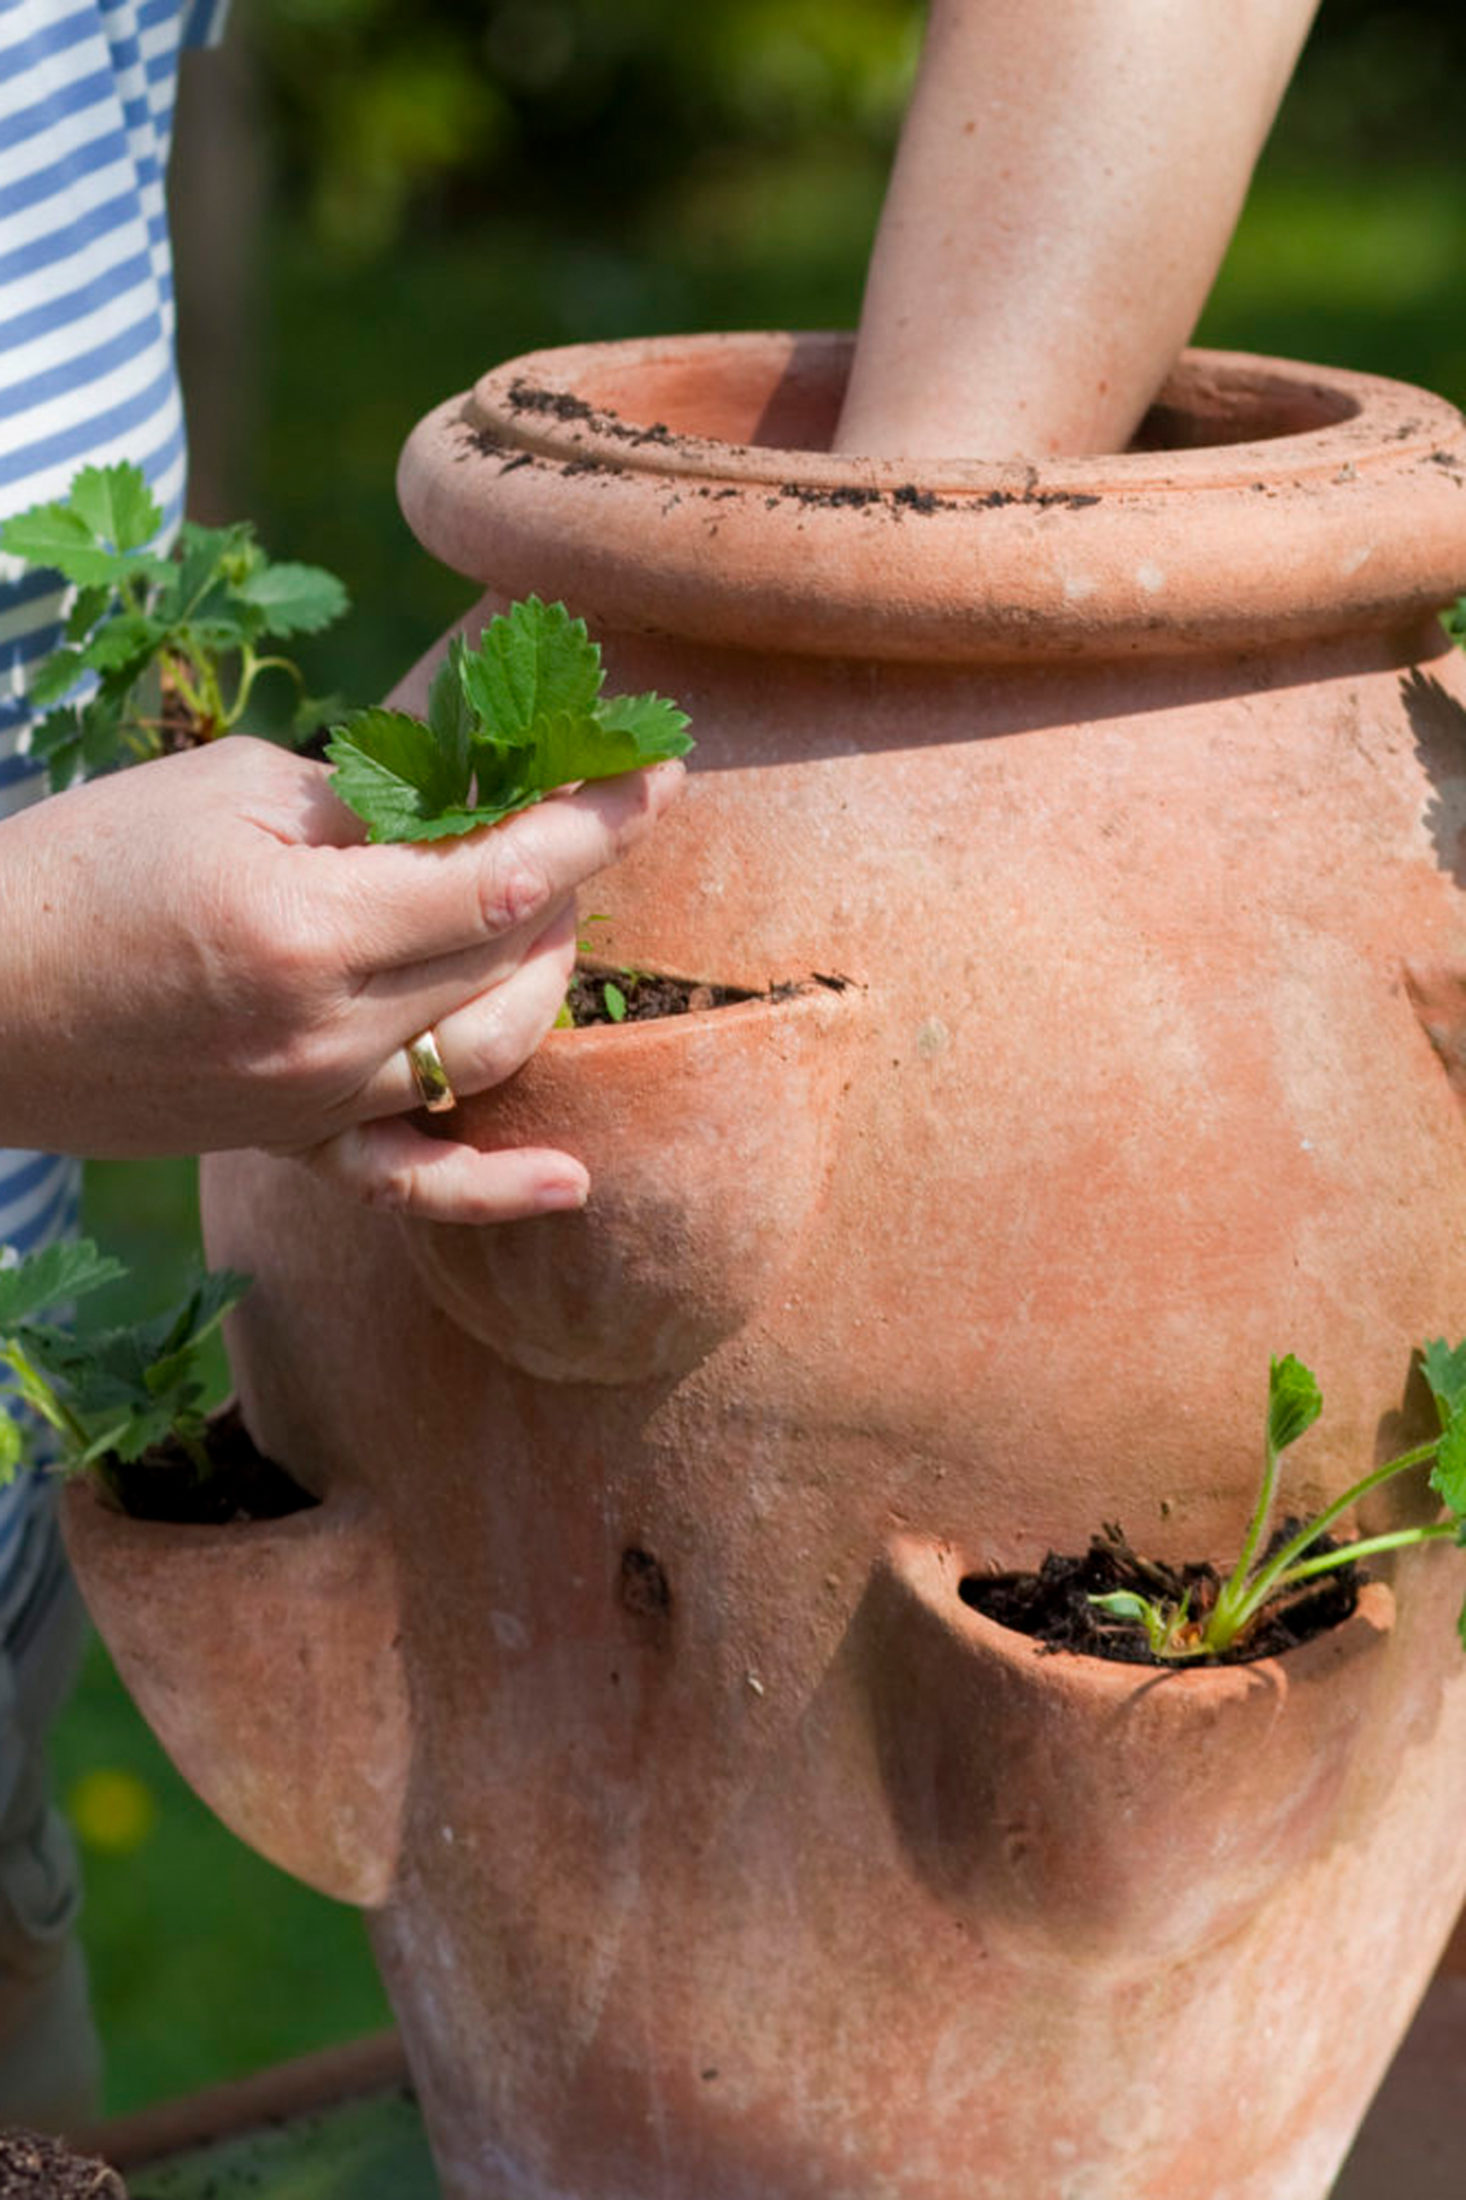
(508,722)
(158,638)
(1294,1405)
(107,1393)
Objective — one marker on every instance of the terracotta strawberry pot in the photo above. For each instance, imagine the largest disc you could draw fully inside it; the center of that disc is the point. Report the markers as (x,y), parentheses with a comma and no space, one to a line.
(715,1848)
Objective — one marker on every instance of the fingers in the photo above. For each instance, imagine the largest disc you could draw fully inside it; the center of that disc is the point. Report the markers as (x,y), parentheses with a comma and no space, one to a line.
(488,1038)
(391,1164)
(409,905)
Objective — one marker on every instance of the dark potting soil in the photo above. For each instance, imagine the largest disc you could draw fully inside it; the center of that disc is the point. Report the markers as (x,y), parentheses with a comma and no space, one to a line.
(37,2168)
(1053,1604)
(165,1484)
(646,998)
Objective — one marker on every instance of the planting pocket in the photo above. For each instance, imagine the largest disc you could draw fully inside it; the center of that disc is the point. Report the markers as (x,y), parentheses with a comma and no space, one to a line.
(1115,1814)
(265,1657)
(707,1137)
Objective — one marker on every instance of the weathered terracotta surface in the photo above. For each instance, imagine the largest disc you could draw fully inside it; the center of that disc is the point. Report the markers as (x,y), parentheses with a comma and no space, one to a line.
(1129,794)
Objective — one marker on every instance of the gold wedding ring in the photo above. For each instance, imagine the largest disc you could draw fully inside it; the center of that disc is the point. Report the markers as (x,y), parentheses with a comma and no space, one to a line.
(428,1073)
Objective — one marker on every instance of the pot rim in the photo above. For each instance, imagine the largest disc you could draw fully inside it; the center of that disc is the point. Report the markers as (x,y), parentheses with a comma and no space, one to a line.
(589,474)
(550,402)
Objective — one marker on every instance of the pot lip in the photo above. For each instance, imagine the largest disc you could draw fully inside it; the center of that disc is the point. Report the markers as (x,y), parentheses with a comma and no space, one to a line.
(926,1568)
(1349,527)
(88,1511)
(535,404)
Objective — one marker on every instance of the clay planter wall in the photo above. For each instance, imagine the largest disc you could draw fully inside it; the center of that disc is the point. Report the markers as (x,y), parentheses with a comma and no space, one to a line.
(718,1849)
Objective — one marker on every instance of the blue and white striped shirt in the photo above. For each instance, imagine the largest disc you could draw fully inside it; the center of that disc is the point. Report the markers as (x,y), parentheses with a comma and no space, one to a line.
(87,377)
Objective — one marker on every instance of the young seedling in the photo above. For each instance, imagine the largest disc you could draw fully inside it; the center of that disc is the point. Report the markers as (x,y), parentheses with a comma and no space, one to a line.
(159,638)
(109,1394)
(613,997)
(508,722)
(1294,1404)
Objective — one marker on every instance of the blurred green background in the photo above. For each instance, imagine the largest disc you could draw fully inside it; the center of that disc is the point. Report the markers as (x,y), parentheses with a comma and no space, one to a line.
(376,199)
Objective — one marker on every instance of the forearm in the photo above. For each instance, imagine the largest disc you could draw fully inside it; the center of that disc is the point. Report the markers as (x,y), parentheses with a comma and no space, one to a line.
(1067,182)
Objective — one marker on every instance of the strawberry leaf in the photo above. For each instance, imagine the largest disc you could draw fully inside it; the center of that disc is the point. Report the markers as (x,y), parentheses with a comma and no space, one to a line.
(85,612)
(1448,1473)
(392,772)
(1444,1368)
(116,504)
(293,599)
(53,679)
(532,663)
(508,722)
(450,714)
(1293,1403)
(57,1273)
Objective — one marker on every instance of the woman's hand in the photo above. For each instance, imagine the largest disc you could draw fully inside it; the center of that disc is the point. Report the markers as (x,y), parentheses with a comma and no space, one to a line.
(201,953)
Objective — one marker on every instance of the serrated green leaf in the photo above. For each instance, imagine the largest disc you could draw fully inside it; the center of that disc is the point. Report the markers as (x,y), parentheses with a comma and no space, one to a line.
(88,608)
(1444,1368)
(56,743)
(615,1001)
(1448,1473)
(53,536)
(55,676)
(658,728)
(101,732)
(530,691)
(392,773)
(1293,1403)
(293,599)
(533,662)
(68,1270)
(451,718)
(116,504)
(125,643)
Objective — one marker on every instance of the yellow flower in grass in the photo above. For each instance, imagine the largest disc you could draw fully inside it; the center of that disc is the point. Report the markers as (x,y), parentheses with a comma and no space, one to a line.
(112,1810)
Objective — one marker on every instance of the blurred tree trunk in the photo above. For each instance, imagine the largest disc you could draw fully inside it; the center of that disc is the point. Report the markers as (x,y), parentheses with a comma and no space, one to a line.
(217,196)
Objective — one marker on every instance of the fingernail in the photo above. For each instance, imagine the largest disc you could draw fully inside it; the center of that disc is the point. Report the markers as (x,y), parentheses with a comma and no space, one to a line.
(563,1192)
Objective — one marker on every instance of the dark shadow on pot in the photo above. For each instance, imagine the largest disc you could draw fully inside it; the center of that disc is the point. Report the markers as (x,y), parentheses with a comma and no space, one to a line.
(1438,723)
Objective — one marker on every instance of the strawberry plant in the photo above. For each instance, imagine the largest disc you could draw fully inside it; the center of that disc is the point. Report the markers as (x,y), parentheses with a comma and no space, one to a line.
(109,1394)
(1174,1632)
(508,722)
(159,649)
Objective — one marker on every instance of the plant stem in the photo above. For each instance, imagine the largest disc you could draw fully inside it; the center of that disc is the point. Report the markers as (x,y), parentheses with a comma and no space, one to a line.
(1395,1539)
(250,667)
(1253,1593)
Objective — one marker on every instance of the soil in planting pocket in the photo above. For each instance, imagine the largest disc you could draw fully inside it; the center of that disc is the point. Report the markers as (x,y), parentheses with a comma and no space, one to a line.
(639,997)
(1053,1604)
(241,1485)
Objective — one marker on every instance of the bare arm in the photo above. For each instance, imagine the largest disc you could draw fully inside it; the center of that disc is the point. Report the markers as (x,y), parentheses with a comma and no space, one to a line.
(1067,182)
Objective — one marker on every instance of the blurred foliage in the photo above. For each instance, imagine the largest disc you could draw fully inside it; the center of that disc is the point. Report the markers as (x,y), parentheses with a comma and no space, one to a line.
(388,111)
(391,113)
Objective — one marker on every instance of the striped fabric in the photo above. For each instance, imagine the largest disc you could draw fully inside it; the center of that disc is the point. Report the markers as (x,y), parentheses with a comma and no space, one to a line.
(87,377)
